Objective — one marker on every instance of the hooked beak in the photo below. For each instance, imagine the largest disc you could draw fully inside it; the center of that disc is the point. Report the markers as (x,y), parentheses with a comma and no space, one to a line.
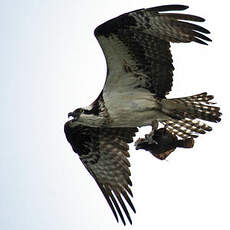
(74,114)
(71,114)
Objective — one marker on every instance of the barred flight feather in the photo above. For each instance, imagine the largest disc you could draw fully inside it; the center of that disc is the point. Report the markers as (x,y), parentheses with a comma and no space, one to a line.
(186,128)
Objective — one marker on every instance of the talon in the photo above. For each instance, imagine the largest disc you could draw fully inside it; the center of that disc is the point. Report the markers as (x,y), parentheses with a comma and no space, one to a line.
(149,138)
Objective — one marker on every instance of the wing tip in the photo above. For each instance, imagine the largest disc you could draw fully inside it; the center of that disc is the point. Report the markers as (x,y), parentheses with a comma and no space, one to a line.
(116,203)
(197,40)
(170,7)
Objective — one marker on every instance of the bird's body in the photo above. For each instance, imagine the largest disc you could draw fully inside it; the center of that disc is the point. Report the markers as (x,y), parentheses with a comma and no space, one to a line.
(144,106)
(136,46)
(140,108)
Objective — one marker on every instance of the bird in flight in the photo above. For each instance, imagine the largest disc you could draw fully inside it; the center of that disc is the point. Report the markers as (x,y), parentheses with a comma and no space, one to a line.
(136,46)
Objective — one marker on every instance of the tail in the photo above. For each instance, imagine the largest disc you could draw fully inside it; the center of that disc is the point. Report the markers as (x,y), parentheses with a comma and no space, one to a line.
(186,110)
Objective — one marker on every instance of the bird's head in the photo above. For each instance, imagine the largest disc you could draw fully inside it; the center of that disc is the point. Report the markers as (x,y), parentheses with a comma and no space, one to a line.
(76,114)
(88,110)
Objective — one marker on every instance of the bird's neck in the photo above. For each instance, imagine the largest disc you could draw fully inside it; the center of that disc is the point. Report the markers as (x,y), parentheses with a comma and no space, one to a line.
(91,120)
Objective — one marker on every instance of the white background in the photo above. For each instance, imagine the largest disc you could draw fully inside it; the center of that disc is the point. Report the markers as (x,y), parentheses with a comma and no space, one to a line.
(50,64)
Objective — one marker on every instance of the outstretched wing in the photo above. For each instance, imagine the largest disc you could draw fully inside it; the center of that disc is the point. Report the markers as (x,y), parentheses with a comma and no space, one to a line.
(104,153)
(138,43)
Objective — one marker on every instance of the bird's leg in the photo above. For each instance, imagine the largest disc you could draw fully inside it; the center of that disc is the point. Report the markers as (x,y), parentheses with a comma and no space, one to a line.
(154,125)
(149,137)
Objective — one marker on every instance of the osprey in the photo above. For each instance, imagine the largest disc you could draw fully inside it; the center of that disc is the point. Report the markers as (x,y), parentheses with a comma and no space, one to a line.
(136,46)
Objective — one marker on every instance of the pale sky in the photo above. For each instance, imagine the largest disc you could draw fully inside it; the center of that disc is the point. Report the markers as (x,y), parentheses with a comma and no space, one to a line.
(51,64)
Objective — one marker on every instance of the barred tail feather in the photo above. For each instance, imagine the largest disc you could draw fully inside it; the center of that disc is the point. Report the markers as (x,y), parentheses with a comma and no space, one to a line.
(196,106)
(186,110)
(200,106)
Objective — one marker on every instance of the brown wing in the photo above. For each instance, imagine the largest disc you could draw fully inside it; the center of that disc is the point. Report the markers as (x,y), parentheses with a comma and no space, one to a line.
(104,153)
(138,42)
